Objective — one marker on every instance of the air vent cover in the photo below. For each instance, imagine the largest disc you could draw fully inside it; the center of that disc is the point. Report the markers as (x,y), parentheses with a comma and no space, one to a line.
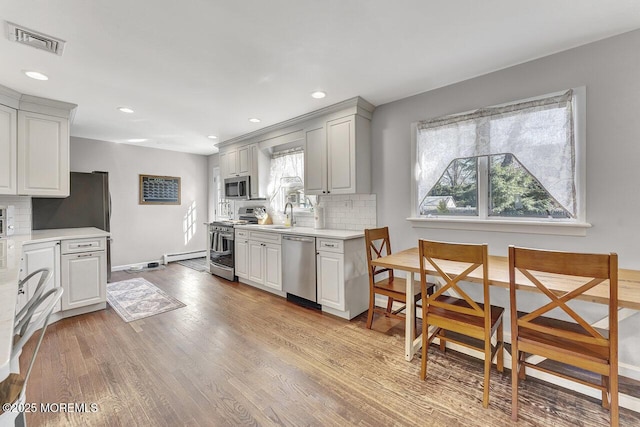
(35,39)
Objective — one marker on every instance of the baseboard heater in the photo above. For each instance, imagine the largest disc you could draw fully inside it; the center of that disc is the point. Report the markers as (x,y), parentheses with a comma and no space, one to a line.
(167,258)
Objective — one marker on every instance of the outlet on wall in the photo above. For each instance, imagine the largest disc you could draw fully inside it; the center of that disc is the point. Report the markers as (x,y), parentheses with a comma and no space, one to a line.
(348,204)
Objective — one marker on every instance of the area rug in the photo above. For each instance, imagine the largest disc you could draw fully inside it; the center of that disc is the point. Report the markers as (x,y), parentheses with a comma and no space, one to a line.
(135,299)
(199,264)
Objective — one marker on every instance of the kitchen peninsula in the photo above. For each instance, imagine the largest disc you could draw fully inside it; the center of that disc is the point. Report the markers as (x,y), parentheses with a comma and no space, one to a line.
(66,252)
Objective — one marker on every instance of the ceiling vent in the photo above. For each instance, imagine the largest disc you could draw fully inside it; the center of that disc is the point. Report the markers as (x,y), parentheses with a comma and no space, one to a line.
(35,39)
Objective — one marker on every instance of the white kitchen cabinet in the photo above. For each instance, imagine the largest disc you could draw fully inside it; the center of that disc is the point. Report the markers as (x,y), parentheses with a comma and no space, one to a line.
(235,162)
(34,257)
(330,279)
(241,254)
(8,148)
(84,274)
(342,276)
(43,155)
(338,156)
(258,259)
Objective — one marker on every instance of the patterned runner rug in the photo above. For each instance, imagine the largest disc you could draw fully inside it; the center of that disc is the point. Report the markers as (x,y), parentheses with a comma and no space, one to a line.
(134,299)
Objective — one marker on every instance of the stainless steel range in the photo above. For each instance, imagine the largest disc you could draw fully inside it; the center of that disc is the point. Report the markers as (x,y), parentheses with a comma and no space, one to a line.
(220,242)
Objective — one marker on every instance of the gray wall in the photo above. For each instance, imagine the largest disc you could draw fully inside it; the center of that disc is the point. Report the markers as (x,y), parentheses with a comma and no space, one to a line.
(610,70)
(143,233)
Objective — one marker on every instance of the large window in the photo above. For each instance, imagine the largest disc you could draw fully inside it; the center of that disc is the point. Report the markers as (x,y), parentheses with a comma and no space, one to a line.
(515,161)
(286,181)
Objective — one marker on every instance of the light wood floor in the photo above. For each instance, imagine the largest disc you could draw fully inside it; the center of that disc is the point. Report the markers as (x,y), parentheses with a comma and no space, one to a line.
(238,356)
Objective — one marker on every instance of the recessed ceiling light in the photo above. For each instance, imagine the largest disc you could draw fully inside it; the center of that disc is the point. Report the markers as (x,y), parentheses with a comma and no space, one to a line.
(318,94)
(254,120)
(36,75)
(212,137)
(137,140)
(125,110)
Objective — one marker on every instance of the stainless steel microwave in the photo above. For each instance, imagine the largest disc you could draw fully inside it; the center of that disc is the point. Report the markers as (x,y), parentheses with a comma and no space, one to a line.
(237,187)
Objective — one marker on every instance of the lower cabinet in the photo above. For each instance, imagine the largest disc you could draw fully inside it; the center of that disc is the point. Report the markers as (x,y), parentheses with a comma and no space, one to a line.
(36,256)
(330,272)
(258,258)
(84,276)
(342,277)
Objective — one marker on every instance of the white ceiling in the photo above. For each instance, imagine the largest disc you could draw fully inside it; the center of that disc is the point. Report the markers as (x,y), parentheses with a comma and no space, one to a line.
(192,68)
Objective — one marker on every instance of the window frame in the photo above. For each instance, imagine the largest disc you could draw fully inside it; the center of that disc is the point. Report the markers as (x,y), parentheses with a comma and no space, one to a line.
(483,222)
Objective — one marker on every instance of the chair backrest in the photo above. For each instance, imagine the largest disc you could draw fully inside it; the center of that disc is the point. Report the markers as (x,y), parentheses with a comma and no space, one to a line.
(434,256)
(568,275)
(23,318)
(378,245)
(46,302)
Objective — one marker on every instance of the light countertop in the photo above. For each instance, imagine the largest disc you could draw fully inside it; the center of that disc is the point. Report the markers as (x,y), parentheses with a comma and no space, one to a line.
(305,231)
(10,261)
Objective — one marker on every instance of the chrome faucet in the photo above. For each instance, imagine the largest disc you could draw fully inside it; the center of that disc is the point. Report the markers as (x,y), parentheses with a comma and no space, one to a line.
(285,212)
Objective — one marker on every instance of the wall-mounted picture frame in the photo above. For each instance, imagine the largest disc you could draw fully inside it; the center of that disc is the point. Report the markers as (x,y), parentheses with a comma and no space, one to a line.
(159,190)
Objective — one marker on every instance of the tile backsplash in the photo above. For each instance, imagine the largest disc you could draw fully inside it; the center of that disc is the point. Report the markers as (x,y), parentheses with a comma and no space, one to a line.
(22,214)
(344,212)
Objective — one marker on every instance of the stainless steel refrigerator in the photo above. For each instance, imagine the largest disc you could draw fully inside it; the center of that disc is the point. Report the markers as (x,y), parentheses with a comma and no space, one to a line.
(88,205)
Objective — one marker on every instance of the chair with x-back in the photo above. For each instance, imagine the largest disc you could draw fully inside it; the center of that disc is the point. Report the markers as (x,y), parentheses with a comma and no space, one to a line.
(459,313)
(562,277)
(394,288)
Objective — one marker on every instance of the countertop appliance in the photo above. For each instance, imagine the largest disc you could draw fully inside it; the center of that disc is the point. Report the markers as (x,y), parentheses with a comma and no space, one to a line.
(88,205)
(220,242)
(299,270)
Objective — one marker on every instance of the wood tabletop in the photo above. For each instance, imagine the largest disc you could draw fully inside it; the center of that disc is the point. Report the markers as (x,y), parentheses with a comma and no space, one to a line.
(628,280)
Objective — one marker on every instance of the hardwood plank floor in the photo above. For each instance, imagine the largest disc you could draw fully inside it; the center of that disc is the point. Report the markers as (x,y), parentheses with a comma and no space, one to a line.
(239,356)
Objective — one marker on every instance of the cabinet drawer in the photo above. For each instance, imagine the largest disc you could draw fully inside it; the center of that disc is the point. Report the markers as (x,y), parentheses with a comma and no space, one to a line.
(242,233)
(329,245)
(266,237)
(84,245)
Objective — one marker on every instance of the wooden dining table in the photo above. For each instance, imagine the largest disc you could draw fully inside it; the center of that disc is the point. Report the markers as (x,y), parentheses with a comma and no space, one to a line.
(408,261)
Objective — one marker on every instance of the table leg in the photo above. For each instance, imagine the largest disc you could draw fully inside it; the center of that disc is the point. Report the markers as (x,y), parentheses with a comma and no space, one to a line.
(409,331)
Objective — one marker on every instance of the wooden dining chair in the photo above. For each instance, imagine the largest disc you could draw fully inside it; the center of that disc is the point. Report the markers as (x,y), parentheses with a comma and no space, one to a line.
(394,288)
(576,342)
(460,313)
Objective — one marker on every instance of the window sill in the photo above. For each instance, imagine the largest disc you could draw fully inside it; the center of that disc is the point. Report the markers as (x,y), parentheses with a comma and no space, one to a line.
(555,227)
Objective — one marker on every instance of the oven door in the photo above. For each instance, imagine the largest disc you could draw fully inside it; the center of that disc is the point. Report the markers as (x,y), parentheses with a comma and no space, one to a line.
(221,253)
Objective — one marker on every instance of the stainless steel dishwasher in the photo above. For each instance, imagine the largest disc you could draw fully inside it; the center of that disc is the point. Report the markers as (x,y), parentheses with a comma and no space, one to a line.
(299,269)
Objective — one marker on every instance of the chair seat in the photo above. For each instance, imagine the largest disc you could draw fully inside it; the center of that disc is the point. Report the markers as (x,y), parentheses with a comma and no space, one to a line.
(564,346)
(10,389)
(454,316)
(395,288)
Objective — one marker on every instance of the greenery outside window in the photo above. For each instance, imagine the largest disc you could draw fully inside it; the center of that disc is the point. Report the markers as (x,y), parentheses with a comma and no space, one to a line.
(521,161)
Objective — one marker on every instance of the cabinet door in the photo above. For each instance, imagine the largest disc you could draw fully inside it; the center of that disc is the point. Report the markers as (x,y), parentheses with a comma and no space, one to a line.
(36,256)
(315,161)
(43,155)
(224,169)
(341,155)
(330,270)
(8,148)
(256,261)
(244,161)
(232,162)
(84,279)
(273,266)
(242,258)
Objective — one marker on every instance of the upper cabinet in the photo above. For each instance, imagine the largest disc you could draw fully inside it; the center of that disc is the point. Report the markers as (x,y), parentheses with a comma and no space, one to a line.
(43,155)
(8,148)
(35,134)
(338,156)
